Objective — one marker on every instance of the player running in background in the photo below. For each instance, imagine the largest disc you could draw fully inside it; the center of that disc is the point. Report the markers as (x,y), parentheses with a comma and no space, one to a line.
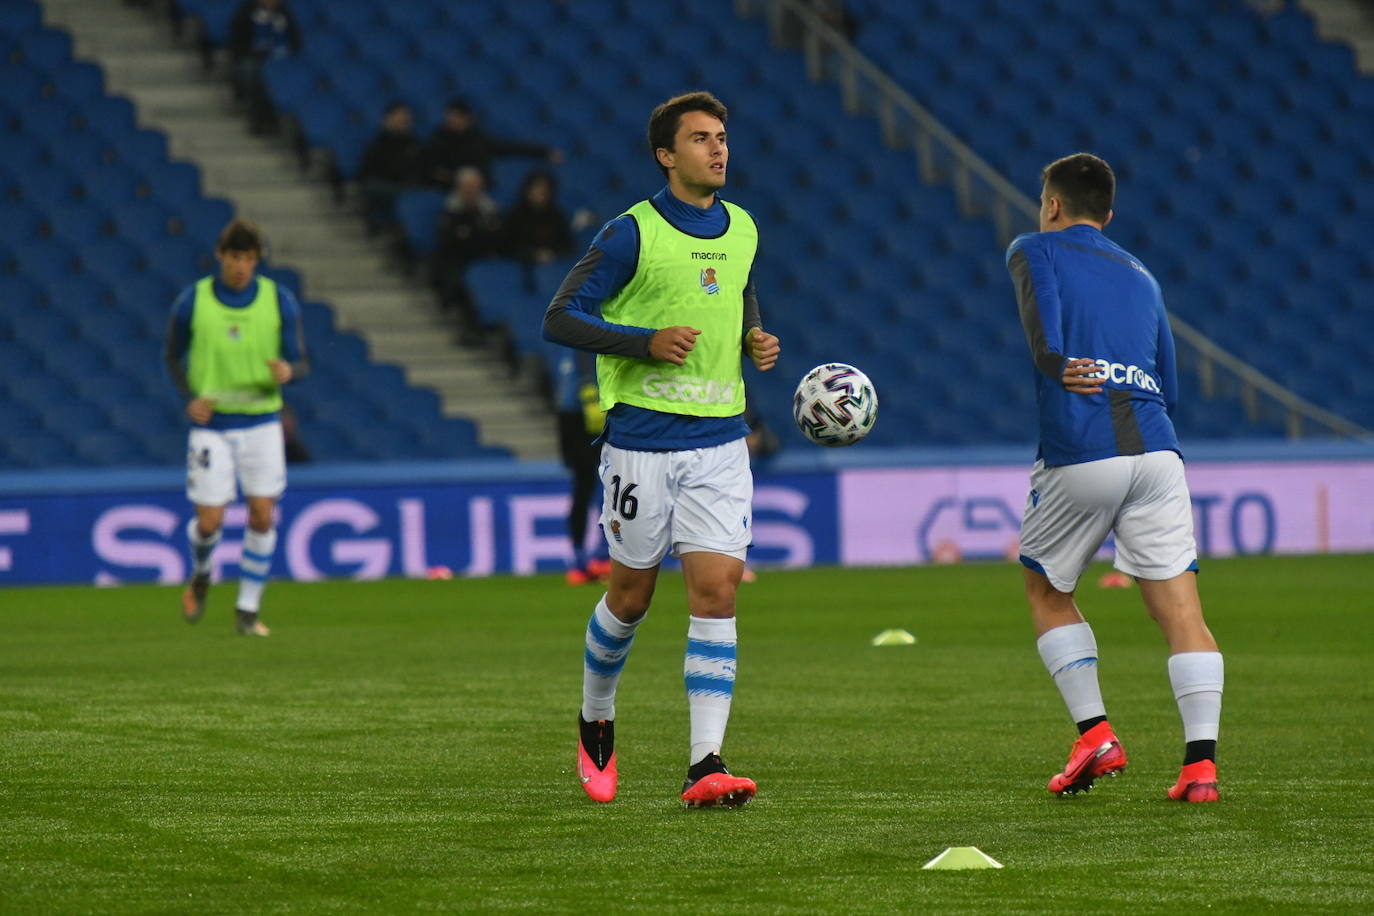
(580,424)
(1108,462)
(670,279)
(232,342)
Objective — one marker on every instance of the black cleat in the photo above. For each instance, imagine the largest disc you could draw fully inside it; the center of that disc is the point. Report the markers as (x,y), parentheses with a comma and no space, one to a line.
(246,623)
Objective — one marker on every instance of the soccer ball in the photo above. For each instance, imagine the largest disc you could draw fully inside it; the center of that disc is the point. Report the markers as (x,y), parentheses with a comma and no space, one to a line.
(835,405)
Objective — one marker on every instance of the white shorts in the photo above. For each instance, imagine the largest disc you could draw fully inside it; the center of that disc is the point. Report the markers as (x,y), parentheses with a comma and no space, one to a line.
(1143,499)
(685,501)
(253,457)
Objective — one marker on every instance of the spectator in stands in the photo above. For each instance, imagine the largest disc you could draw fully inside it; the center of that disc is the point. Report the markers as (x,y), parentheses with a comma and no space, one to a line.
(536,230)
(390,163)
(469,231)
(580,422)
(234,339)
(459,142)
(261,30)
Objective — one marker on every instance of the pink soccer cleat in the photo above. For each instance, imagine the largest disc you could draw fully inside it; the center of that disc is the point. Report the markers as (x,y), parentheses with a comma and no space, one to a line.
(709,784)
(1095,753)
(596,758)
(1196,783)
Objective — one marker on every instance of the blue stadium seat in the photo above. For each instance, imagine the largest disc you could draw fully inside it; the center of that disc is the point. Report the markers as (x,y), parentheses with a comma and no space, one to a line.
(116,186)
(419,213)
(143,221)
(20,222)
(47,259)
(174,183)
(81,224)
(41,450)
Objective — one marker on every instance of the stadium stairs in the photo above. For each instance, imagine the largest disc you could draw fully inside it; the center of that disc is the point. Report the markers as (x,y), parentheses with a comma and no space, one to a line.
(303,223)
(1350,21)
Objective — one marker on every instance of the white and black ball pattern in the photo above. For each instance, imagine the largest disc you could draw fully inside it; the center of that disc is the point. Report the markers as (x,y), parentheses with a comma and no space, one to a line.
(835,405)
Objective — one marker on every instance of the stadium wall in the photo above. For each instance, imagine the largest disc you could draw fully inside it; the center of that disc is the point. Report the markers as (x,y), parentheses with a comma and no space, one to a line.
(858,507)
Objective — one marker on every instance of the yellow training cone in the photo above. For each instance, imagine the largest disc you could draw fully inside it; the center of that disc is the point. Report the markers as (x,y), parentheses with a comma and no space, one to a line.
(894,638)
(963,857)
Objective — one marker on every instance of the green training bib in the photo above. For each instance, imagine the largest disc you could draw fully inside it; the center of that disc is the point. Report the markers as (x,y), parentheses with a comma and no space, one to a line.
(230,348)
(684,280)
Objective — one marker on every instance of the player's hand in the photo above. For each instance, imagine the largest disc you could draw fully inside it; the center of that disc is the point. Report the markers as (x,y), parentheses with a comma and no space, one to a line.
(281,370)
(1080,376)
(671,345)
(201,410)
(762,348)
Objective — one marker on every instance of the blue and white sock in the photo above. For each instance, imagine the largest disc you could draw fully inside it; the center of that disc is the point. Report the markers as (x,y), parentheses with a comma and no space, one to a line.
(608,644)
(1070,656)
(709,670)
(258,547)
(202,549)
(1197,679)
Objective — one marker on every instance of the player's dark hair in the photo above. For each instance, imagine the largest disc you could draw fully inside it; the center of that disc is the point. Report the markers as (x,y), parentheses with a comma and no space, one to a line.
(664,121)
(1084,184)
(240,235)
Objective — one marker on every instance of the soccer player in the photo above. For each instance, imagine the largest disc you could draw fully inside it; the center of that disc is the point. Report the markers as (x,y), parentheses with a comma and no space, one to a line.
(665,298)
(1108,461)
(580,423)
(232,342)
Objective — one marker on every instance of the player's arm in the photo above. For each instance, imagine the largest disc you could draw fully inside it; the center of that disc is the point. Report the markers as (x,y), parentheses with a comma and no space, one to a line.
(573,318)
(1166,362)
(758,344)
(294,362)
(176,345)
(1037,298)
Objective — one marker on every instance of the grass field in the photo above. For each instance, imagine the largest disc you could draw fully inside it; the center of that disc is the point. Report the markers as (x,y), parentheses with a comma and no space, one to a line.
(408,746)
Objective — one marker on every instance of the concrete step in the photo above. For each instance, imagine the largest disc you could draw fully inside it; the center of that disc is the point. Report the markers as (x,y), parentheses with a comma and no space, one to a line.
(400,307)
(301,198)
(96,33)
(452,377)
(154,67)
(237,143)
(209,129)
(256,169)
(185,100)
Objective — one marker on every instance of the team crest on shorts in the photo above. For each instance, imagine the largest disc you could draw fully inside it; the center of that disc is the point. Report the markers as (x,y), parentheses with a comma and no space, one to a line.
(708,281)
(615,531)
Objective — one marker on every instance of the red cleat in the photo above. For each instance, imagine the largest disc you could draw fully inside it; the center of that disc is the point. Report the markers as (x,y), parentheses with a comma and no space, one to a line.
(1196,783)
(193,598)
(709,784)
(596,758)
(599,569)
(577,576)
(1095,753)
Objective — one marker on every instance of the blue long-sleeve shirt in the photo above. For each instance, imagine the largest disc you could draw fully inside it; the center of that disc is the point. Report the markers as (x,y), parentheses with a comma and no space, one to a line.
(178,342)
(574,319)
(1082,295)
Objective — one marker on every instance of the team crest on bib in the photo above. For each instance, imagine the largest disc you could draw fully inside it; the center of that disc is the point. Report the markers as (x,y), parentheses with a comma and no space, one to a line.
(708,281)
(233,332)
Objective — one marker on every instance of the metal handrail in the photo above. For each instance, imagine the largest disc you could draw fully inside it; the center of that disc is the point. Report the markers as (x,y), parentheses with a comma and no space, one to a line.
(982,190)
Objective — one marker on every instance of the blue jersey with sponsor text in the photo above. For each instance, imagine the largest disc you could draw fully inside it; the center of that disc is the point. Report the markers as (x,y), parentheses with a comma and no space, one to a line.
(1082,295)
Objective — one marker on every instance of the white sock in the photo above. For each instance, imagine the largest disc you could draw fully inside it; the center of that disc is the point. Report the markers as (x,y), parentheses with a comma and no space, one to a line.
(709,670)
(1197,679)
(609,640)
(258,547)
(201,548)
(1070,656)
